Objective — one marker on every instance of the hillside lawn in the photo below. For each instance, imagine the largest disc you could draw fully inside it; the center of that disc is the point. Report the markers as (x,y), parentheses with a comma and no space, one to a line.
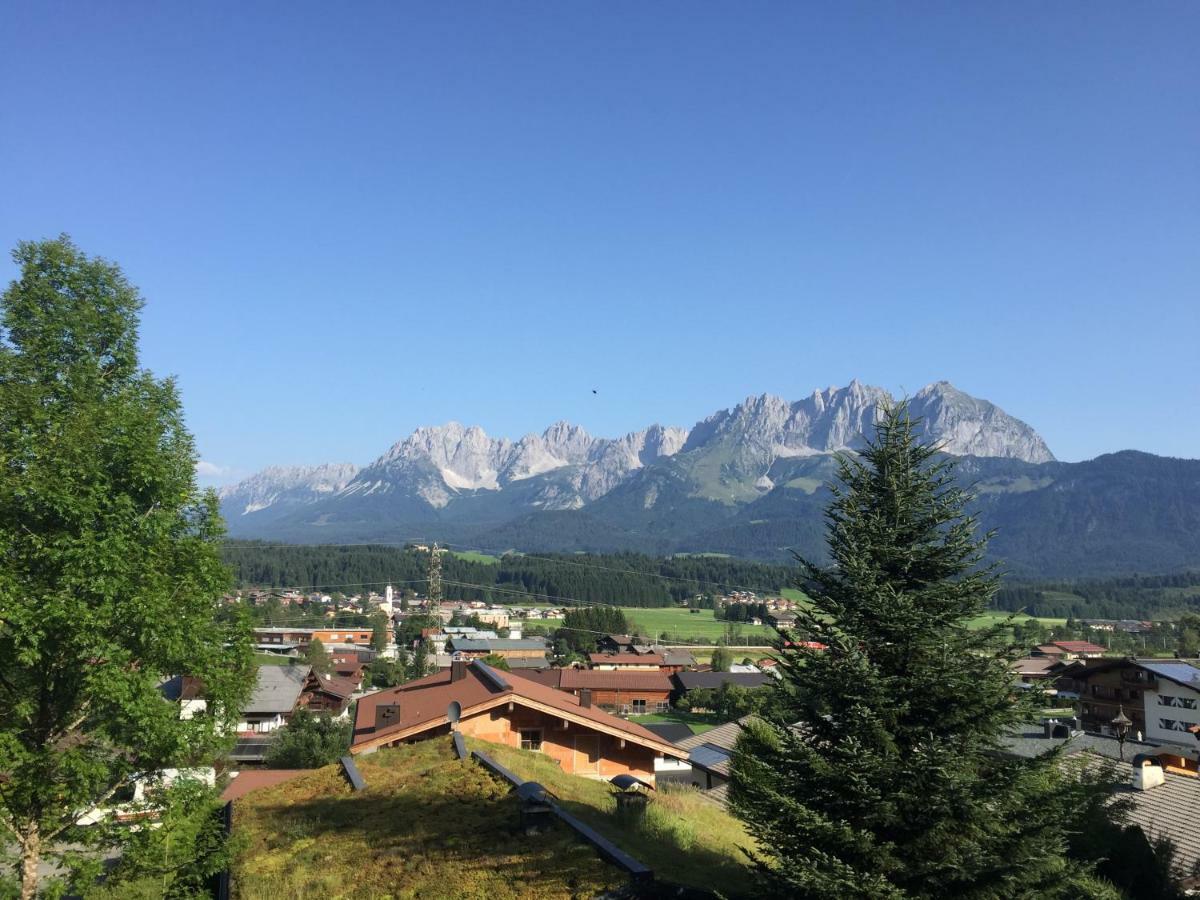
(476,556)
(687,839)
(427,825)
(683,625)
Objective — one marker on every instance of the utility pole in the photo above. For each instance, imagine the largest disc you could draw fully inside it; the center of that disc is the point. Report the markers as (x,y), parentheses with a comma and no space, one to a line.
(435,575)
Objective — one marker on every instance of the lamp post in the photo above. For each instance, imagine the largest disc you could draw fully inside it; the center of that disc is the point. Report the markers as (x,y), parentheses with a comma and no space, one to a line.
(1121,722)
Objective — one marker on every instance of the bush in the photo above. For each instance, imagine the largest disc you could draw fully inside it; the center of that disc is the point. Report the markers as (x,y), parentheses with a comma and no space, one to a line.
(309,742)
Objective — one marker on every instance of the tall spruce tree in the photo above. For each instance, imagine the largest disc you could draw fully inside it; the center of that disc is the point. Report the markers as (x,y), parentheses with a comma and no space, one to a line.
(875,774)
(110,576)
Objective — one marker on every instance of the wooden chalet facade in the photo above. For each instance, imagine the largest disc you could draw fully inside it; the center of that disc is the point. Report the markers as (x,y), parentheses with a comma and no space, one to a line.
(506,708)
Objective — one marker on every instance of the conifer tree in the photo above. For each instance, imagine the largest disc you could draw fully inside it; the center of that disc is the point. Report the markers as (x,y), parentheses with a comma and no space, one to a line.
(875,773)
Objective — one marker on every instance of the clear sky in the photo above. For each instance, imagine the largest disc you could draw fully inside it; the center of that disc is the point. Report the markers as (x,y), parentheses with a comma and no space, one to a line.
(352,219)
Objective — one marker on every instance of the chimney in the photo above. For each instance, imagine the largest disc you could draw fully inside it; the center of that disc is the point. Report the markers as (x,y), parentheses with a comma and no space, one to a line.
(458,670)
(386,714)
(1147,772)
(585,697)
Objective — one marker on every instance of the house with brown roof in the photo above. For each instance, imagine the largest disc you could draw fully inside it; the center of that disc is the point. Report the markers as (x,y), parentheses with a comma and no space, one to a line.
(506,708)
(330,693)
(1070,650)
(628,692)
(615,643)
(645,662)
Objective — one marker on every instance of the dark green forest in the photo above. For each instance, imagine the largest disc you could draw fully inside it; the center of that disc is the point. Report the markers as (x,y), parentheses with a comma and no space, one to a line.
(1126,597)
(623,579)
(635,579)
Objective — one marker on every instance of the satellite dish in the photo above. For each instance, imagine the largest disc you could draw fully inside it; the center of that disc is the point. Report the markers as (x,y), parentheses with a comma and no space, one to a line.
(453,712)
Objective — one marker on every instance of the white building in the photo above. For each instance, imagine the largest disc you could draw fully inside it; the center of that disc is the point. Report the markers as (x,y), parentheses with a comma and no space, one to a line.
(1172,705)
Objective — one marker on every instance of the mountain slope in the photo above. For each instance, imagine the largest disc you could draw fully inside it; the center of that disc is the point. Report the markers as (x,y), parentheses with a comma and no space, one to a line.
(748,480)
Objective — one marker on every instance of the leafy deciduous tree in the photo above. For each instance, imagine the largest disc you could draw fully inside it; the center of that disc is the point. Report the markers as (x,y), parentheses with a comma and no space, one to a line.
(109,568)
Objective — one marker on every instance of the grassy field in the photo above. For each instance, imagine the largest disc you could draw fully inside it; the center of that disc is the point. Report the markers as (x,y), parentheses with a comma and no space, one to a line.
(475,556)
(271,659)
(684,625)
(695,721)
(996,617)
(686,838)
(427,825)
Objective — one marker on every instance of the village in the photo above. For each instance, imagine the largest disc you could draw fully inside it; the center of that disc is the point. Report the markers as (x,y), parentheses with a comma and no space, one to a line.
(649,718)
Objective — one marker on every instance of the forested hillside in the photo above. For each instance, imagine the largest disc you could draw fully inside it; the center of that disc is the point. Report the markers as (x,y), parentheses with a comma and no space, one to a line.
(625,579)
(1131,597)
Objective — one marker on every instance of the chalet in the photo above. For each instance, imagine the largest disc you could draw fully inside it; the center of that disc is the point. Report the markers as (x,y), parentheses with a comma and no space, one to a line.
(628,692)
(506,708)
(329,693)
(615,643)
(1160,697)
(645,662)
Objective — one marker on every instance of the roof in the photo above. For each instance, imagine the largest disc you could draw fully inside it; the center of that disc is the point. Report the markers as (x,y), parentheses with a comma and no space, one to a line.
(670,731)
(1178,672)
(626,659)
(253,779)
(1080,647)
(711,749)
(489,645)
(677,657)
(182,687)
(598,679)
(1031,741)
(546,676)
(1034,665)
(1169,811)
(277,689)
(342,686)
(690,681)
(423,706)
(618,638)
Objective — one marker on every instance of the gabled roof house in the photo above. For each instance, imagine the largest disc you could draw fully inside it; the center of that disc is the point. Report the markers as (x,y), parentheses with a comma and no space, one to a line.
(506,708)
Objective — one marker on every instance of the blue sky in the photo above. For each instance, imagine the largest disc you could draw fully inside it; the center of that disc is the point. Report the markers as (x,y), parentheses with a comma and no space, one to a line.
(353,219)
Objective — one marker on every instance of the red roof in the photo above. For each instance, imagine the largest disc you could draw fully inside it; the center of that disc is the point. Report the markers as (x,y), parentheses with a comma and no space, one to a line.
(423,704)
(596,679)
(253,779)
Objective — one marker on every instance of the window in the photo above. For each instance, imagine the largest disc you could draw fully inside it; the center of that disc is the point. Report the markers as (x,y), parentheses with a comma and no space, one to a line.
(1172,725)
(531,739)
(1176,702)
(639,707)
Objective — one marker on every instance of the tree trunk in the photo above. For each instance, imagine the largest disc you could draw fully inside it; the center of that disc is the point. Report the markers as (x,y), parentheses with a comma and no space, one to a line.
(31,854)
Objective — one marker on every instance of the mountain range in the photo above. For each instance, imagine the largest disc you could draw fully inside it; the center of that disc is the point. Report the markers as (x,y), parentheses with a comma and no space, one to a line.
(750,481)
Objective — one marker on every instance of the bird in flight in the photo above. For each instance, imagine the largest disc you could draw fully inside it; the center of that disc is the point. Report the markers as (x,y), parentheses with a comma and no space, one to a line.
(594,391)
